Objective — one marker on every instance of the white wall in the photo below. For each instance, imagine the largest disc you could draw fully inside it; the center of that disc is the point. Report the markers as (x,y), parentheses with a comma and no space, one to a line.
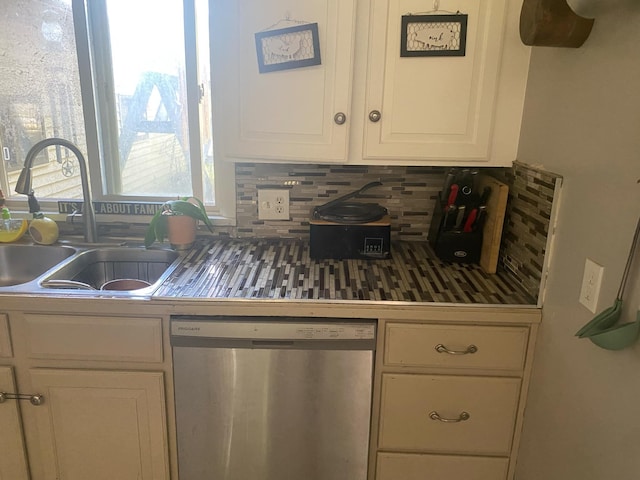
(582,120)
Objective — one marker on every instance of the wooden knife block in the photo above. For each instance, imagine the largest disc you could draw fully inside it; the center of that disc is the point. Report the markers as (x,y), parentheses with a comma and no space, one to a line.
(494,221)
(482,246)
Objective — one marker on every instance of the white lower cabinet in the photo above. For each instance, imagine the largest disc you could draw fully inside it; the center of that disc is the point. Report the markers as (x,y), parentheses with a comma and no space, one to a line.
(84,398)
(98,425)
(97,395)
(13,459)
(449,399)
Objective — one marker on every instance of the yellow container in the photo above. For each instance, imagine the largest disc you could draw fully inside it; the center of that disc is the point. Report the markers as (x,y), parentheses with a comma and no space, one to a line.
(43,230)
(16,229)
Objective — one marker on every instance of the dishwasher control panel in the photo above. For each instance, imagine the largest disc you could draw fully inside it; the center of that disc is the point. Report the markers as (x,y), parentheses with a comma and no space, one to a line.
(272,329)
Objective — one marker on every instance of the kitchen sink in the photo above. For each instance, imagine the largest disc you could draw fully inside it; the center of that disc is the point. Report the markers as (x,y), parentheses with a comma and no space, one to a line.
(23,263)
(91,269)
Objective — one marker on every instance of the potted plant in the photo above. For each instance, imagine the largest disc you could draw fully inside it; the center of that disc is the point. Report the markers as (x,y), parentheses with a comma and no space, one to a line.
(177,221)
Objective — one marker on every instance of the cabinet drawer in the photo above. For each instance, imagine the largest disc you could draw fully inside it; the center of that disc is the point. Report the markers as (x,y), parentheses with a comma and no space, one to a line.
(121,339)
(420,345)
(409,400)
(406,466)
(5,339)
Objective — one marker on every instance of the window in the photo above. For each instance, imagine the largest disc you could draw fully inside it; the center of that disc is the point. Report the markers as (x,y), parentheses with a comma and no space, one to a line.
(126,81)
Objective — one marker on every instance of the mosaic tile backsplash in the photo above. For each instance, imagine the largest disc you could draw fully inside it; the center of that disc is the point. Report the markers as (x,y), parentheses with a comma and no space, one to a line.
(409,194)
(528,222)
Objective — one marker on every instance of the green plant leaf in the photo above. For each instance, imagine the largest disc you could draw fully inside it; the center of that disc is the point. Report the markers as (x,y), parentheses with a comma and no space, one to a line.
(161,228)
(152,231)
(205,217)
(149,237)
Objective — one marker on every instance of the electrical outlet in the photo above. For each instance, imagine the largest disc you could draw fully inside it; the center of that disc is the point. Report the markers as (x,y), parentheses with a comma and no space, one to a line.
(591,282)
(273,204)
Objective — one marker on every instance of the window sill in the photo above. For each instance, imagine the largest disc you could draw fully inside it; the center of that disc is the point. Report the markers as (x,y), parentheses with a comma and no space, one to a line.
(107,219)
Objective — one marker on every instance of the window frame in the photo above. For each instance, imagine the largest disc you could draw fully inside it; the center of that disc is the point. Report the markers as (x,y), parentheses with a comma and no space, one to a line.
(100,117)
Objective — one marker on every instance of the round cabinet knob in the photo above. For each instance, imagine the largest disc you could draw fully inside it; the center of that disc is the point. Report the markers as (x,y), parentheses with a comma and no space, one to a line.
(375,116)
(340,118)
(37,399)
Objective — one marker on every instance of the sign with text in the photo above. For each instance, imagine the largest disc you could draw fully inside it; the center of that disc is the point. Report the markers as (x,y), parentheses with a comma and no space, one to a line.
(112,208)
(433,35)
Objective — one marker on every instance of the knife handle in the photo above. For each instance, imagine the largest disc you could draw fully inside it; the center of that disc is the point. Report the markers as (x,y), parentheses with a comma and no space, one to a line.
(460,217)
(447,184)
(486,192)
(450,217)
(471,218)
(453,193)
(481,216)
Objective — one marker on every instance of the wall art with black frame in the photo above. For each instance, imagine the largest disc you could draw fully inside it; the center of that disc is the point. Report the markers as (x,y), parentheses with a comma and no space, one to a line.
(291,47)
(433,35)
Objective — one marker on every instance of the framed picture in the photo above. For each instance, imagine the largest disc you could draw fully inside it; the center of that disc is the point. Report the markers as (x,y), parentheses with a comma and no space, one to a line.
(290,47)
(433,35)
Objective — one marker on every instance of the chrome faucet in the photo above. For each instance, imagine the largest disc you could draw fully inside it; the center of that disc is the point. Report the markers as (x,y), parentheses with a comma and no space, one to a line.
(23,185)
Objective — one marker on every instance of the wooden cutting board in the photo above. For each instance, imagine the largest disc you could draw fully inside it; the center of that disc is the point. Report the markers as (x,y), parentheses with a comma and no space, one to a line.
(494,221)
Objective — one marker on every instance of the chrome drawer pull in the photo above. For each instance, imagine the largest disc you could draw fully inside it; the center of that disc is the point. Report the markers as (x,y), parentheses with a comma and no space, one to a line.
(463,417)
(36,399)
(440,348)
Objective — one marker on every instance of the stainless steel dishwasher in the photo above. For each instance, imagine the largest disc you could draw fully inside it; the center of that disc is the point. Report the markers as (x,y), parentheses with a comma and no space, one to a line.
(272,399)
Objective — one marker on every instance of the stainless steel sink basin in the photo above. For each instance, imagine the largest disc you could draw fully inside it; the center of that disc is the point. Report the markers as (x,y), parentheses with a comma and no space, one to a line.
(24,263)
(95,267)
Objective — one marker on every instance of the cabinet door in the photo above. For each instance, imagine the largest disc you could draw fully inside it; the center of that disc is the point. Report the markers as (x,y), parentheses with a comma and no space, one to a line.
(435,108)
(288,113)
(13,459)
(100,425)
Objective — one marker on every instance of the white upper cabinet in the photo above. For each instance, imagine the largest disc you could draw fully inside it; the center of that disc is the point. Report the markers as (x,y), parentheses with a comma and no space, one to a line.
(437,109)
(423,109)
(288,112)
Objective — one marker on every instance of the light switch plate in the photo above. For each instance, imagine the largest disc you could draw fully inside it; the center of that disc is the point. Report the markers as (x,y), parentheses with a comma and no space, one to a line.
(591,282)
(273,204)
